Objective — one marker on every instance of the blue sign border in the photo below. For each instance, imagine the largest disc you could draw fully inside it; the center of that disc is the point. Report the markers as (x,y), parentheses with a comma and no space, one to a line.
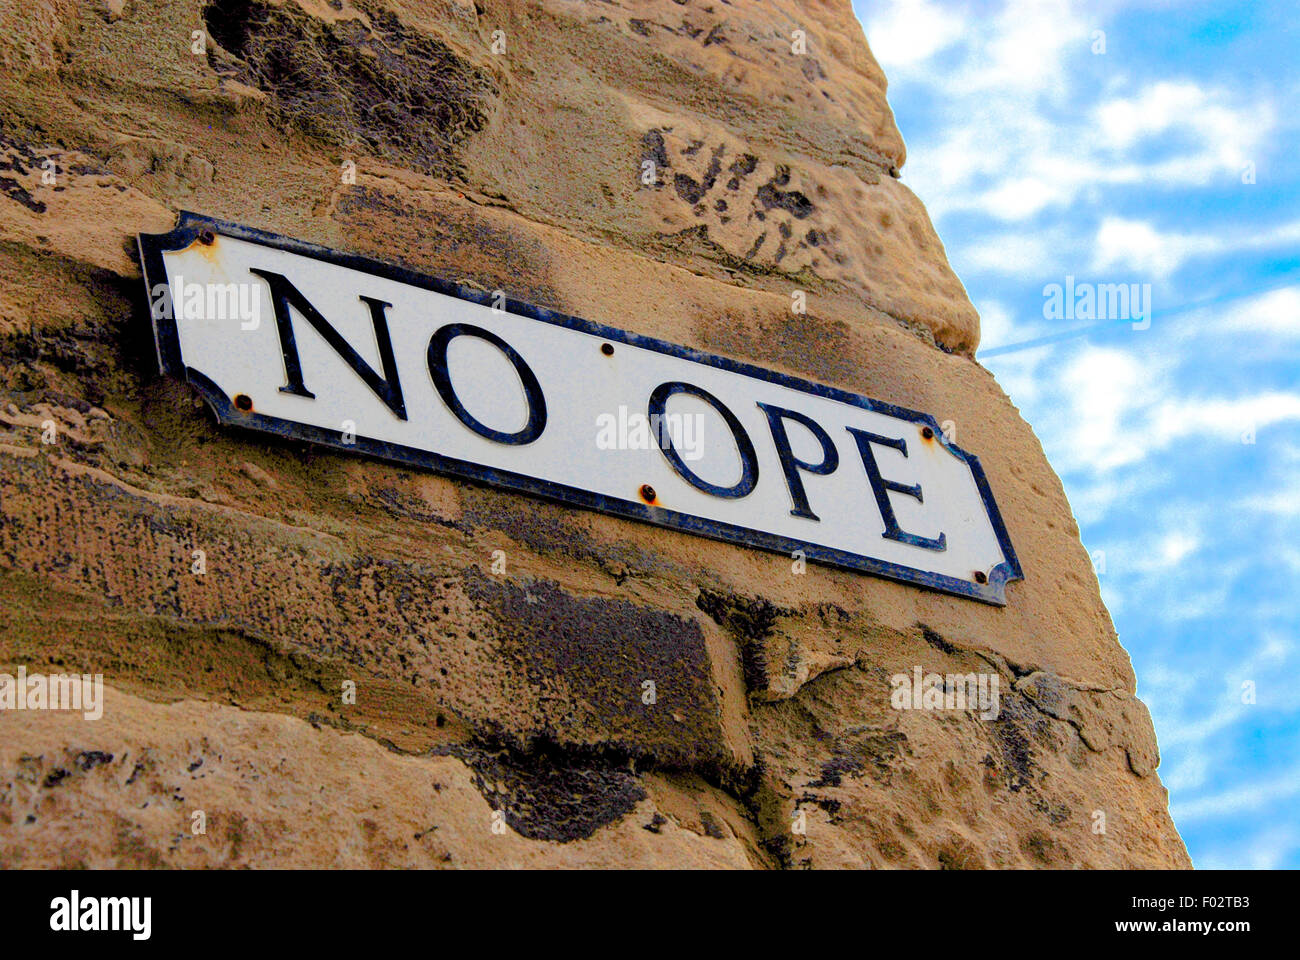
(190,226)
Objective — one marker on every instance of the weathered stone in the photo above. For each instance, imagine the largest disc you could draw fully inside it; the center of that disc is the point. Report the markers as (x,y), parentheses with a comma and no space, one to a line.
(521,692)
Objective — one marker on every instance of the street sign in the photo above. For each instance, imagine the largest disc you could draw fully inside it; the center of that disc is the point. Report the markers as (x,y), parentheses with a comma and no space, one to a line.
(296,340)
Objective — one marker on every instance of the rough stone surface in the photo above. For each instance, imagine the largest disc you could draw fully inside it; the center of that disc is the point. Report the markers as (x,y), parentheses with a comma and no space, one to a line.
(499,718)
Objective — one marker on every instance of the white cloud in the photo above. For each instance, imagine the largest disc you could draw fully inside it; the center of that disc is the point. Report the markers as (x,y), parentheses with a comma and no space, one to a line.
(1137,247)
(1108,408)
(1025,127)
(911,32)
(1223,418)
(1227,132)
(1104,390)
(1022,198)
(1276,313)
(995,322)
(1025,47)
(1174,548)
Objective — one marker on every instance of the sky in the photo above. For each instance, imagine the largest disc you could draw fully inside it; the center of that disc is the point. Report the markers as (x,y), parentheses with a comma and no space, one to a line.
(1144,143)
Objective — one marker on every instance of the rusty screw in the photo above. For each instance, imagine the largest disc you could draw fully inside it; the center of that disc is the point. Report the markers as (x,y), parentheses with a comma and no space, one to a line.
(981,576)
(244,402)
(647,493)
(927,432)
(207,237)
(607,349)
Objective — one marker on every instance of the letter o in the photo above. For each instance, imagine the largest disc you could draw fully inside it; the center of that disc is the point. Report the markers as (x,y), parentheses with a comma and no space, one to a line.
(745,447)
(437,361)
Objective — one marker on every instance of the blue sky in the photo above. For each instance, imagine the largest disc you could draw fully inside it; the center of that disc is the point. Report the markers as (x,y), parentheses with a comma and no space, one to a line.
(1045,150)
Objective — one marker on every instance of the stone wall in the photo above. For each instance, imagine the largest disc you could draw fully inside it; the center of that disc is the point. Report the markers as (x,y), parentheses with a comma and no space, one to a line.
(518,694)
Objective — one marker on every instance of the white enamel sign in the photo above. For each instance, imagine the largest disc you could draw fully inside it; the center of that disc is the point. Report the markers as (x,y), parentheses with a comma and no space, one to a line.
(292,339)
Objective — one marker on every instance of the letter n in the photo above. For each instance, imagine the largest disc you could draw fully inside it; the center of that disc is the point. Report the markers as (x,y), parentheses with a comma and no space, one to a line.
(285,295)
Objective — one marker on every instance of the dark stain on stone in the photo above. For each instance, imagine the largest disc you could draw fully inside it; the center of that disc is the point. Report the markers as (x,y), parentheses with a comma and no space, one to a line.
(711,826)
(873,752)
(409,507)
(545,528)
(1056,813)
(780,848)
(750,620)
(602,651)
(1047,692)
(73,351)
(14,190)
(793,202)
(691,191)
(401,93)
(933,638)
(90,759)
(687,188)
(743,166)
(829,804)
(812,70)
(1010,736)
(714,169)
(653,143)
(549,793)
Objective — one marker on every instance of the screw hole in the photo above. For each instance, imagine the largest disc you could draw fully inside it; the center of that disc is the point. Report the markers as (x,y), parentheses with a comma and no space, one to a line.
(244,402)
(607,349)
(981,576)
(927,432)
